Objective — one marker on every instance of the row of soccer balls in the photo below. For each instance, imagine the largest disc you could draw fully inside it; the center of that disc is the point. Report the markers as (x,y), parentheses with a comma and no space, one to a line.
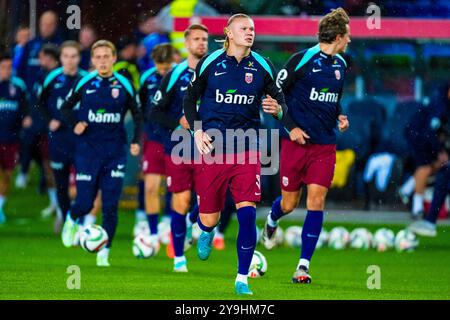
(360,238)
(93,238)
(337,238)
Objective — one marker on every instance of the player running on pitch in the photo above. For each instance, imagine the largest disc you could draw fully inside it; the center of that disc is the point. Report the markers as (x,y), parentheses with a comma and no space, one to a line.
(167,111)
(153,162)
(14,114)
(312,81)
(105,97)
(55,89)
(230,84)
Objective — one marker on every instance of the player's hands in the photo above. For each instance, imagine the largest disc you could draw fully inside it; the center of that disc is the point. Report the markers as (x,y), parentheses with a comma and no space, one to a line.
(54,125)
(135,149)
(271,106)
(27,122)
(203,142)
(298,135)
(184,123)
(80,127)
(343,123)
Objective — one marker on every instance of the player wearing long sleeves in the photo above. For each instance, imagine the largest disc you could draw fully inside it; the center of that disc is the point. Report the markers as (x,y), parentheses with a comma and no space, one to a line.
(312,82)
(153,162)
(14,113)
(105,97)
(167,112)
(226,89)
(56,87)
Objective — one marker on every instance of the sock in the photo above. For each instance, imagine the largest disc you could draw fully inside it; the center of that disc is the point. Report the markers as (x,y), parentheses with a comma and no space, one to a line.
(441,188)
(246,239)
(417,203)
(408,187)
(241,278)
(154,238)
(219,235)
(89,219)
(153,222)
(193,215)
(104,252)
(140,215)
(303,263)
(179,259)
(141,195)
(2,201)
(310,233)
(203,227)
(52,196)
(72,217)
(109,223)
(178,227)
(276,213)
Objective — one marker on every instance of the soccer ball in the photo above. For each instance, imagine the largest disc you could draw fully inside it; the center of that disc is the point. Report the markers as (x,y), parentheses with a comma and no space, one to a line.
(143,248)
(164,232)
(293,236)
(406,241)
(360,238)
(338,238)
(258,266)
(93,238)
(279,236)
(323,239)
(383,239)
(141,228)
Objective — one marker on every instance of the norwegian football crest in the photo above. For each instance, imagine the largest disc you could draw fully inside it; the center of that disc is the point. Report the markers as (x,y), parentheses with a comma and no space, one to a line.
(249,78)
(115,93)
(337,73)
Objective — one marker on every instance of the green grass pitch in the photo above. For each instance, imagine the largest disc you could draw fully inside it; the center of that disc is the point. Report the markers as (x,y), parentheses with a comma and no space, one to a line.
(33,265)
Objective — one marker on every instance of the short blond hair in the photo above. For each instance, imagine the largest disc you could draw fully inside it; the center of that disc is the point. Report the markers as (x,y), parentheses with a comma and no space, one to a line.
(195,26)
(226,43)
(70,44)
(104,43)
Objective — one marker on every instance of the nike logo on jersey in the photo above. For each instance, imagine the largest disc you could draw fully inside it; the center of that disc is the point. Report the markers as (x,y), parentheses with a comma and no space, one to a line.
(316,70)
(120,166)
(183,88)
(90,91)
(59,85)
(151,86)
(219,73)
(243,248)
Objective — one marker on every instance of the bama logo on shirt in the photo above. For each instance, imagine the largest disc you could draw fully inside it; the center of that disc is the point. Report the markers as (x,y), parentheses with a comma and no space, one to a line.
(231,97)
(104,117)
(323,95)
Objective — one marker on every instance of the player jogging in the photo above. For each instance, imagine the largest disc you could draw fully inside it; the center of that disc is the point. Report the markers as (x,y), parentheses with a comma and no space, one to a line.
(153,162)
(167,111)
(56,87)
(14,113)
(230,84)
(105,97)
(312,81)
